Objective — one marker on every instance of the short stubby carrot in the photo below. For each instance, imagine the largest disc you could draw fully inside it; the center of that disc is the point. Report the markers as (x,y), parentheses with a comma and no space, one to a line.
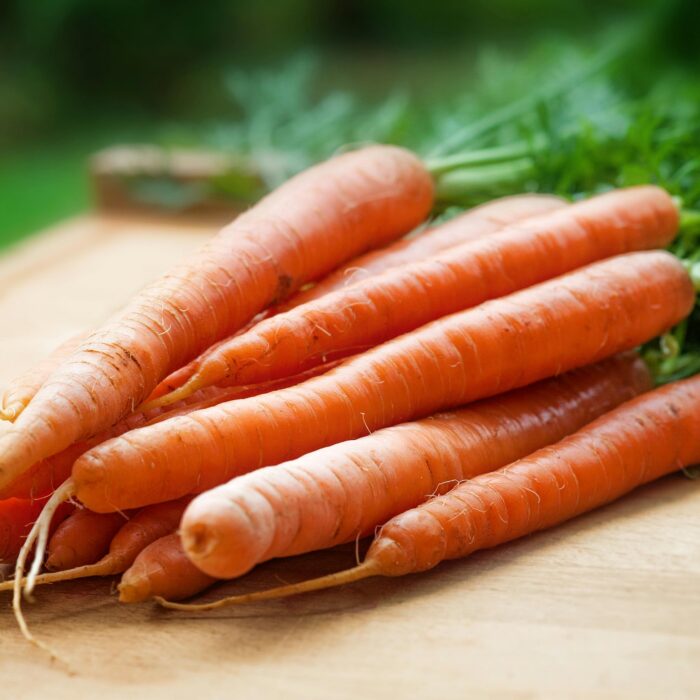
(503,344)
(345,491)
(82,538)
(644,439)
(22,389)
(477,222)
(162,569)
(308,226)
(147,525)
(405,298)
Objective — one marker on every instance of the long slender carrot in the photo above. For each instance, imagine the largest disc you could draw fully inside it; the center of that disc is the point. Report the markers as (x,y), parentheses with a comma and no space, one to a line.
(345,491)
(82,538)
(402,299)
(312,223)
(17,515)
(147,525)
(473,224)
(20,391)
(539,332)
(44,477)
(648,437)
(162,569)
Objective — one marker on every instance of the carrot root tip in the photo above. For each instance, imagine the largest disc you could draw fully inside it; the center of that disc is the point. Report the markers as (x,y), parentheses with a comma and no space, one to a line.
(364,570)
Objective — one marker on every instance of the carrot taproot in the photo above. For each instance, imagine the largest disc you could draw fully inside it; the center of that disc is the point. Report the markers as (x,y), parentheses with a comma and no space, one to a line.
(644,439)
(44,477)
(345,491)
(328,214)
(405,298)
(17,515)
(533,334)
(479,221)
(82,538)
(21,390)
(145,526)
(162,569)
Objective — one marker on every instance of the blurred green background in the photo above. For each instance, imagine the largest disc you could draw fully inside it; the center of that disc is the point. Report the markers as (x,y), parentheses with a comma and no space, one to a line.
(76,75)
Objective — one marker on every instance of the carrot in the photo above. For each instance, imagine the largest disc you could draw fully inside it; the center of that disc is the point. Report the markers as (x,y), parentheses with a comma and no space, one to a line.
(17,515)
(477,222)
(646,438)
(471,225)
(298,233)
(342,492)
(22,390)
(162,569)
(533,334)
(402,299)
(44,477)
(145,526)
(82,538)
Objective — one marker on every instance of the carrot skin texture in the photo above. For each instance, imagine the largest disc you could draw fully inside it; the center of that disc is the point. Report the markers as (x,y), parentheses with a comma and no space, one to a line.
(163,569)
(559,325)
(473,224)
(22,389)
(479,221)
(347,490)
(642,440)
(309,225)
(402,299)
(44,477)
(81,539)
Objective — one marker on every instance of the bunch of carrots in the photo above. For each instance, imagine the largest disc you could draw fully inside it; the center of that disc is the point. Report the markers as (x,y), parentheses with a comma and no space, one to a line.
(329,367)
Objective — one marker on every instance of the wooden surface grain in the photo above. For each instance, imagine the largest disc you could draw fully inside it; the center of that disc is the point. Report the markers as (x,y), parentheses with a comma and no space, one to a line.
(607,606)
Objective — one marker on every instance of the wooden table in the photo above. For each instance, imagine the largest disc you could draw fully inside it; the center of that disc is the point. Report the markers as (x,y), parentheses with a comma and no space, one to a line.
(607,606)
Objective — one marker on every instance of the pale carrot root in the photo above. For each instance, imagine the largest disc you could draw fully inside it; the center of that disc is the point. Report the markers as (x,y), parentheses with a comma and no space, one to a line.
(363,571)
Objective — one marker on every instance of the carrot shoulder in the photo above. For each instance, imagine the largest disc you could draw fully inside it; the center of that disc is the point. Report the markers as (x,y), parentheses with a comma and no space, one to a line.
(301,231)
(533,334)
(405,298)
(345,491)
(646,438)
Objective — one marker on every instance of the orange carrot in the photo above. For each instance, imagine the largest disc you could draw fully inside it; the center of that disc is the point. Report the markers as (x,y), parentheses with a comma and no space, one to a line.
(82,538)
(312,223)
(473,224)
(162,569)
(147,525)
(402,299)
(17,515)
(648,437)
(345,491)
(533,334)
(21,390)
(44,477)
